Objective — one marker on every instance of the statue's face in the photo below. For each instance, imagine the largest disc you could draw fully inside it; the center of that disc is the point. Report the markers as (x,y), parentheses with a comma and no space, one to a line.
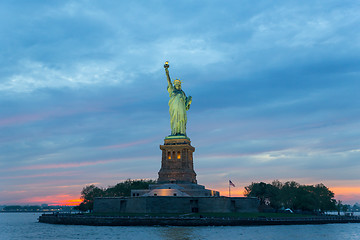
(177,86)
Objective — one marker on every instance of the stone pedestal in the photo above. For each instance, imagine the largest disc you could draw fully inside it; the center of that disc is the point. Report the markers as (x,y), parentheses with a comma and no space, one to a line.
(177,161)
(177,177)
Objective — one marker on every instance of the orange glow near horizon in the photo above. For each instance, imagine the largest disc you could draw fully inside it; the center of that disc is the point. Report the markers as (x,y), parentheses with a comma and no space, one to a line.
(347,194)
(70,202)
(53,200)
(345,190)
(235,191)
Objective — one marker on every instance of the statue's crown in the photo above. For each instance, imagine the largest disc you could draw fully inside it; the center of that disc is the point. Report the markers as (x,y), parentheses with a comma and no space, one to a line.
(177,81)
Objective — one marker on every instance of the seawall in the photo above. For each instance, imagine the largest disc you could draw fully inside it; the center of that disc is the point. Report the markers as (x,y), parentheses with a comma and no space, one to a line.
(72,219)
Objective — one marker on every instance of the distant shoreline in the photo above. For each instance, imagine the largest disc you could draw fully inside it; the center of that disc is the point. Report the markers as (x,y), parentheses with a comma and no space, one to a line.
(74,219)
(27,211)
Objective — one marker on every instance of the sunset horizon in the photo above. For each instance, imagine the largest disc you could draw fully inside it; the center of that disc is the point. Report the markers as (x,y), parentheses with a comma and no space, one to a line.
(348,195)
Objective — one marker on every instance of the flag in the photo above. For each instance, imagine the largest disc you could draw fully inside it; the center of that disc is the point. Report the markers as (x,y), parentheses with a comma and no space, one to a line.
(231,183)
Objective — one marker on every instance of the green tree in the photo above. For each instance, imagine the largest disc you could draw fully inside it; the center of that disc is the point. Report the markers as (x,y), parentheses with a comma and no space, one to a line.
(256,190)
(339,206)
(13,208)
(305,199)
(275,194)
(356,207)
(324,198)
(293,195)
(87,195)
(290,194)
(264,191)
(32,208)
(345,208)
(122,189)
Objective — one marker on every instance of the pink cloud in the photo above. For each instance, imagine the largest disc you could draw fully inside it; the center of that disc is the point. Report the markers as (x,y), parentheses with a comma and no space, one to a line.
(348,199)
(51,174)
(129,144)
(64,165)
(20,119)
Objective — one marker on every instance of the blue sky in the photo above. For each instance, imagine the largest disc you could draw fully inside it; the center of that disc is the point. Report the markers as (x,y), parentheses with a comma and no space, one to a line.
(83,93)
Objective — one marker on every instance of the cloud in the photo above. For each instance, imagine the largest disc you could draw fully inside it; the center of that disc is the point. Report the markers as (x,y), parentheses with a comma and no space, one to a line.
(274,87)
(65,165)
(127,145)
(37,75)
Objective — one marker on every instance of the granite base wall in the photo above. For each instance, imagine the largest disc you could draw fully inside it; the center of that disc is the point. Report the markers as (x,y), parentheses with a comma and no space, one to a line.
(72,219)
(160,204)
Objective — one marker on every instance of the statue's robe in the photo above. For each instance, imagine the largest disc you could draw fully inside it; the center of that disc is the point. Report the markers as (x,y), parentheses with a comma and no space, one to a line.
(178,105)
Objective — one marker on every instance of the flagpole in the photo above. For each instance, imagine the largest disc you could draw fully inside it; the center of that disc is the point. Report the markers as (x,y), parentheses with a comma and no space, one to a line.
(229,190)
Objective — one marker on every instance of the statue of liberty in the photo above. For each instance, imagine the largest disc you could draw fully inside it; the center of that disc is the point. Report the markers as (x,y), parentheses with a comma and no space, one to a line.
(178,105)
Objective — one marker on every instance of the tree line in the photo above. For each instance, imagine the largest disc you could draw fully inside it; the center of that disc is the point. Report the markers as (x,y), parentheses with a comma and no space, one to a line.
(33,208)
(278,195)
(122,189)
(18,208)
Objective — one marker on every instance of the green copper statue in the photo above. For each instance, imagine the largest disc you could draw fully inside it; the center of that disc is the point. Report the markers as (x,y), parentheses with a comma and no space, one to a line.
(178,105)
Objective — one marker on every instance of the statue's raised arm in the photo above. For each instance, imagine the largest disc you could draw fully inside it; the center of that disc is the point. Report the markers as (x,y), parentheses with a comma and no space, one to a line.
(178,105)
(166,66)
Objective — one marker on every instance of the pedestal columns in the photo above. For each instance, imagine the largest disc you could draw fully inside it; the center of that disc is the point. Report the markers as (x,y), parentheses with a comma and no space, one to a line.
(177,161)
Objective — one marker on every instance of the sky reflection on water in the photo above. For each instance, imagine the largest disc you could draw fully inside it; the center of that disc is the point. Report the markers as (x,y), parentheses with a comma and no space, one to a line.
(25,226)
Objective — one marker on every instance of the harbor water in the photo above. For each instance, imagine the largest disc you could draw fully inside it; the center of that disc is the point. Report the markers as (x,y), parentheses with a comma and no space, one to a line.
(15,226)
